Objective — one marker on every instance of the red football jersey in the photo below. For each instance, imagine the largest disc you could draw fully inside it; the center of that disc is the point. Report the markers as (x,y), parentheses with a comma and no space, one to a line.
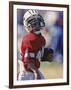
(33,43)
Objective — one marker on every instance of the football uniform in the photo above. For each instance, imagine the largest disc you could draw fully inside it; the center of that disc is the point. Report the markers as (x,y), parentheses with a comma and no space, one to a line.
(31,45)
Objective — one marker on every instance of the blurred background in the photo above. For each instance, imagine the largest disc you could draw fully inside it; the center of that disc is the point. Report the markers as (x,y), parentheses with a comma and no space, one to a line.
(53,34)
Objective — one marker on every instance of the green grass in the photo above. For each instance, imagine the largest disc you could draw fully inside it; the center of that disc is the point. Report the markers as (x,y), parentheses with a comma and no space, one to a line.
(52,70)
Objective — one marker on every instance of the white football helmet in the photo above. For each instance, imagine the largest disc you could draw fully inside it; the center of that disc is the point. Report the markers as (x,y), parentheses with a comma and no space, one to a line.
(32,20)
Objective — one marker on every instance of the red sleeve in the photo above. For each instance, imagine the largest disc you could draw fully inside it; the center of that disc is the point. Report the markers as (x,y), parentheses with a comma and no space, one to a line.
(23,48)
(25,45)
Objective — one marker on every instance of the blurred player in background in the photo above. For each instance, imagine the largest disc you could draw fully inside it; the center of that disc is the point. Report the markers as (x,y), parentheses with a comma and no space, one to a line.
(54,33)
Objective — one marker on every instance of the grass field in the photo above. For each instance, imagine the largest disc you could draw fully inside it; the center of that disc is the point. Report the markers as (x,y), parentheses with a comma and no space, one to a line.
(51,70)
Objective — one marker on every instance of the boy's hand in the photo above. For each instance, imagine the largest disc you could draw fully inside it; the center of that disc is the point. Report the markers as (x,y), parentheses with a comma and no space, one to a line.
(48,55)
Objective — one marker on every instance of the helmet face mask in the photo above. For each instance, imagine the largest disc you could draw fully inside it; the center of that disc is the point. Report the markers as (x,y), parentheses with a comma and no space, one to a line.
(34,22)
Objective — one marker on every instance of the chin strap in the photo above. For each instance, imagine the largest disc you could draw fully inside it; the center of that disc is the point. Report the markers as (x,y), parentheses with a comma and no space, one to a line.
(37,32)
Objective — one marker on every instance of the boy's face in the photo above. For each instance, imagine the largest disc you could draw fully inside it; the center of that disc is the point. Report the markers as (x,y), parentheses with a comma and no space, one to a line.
(33,25)
(33,28)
